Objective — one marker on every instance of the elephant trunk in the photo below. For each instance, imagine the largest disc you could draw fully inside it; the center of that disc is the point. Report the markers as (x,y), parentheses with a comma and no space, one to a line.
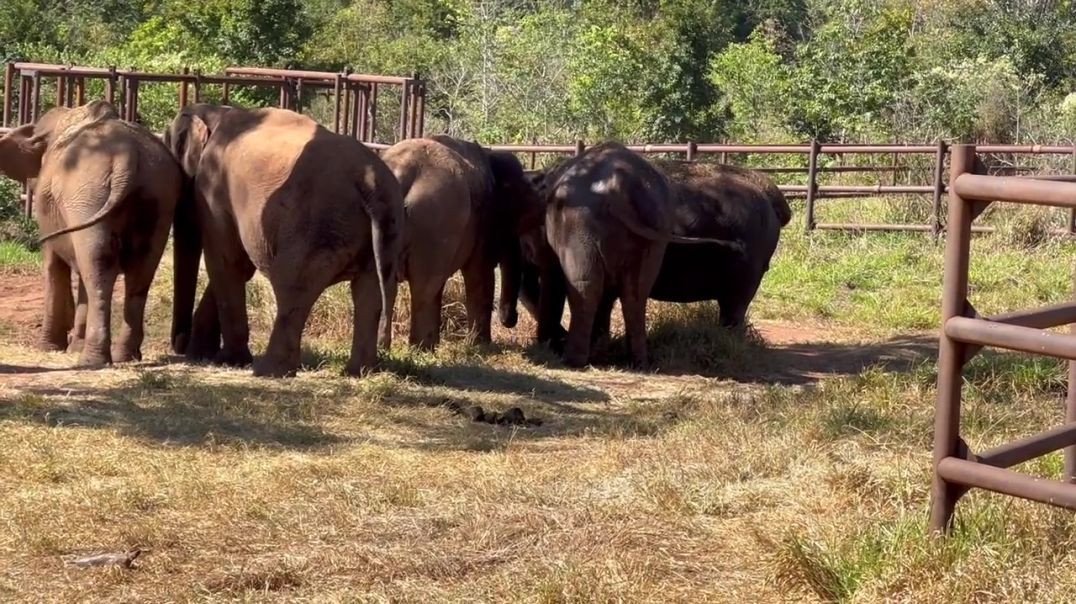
(511,270)
(187,255)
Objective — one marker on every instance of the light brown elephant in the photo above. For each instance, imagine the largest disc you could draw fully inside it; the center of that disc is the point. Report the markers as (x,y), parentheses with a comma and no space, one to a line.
(106,193)
(277,193)
(465,207)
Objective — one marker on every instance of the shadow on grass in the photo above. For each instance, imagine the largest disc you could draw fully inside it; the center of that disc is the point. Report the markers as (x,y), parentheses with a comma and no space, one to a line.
(690,342)
(176,409)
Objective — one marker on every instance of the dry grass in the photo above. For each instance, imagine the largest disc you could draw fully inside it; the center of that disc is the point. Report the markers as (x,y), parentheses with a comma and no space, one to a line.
(789,467)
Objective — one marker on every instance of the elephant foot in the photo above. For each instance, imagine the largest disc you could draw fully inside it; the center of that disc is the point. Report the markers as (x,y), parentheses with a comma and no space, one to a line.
(576,360)
(49,346)
(273,369)
(75,345)
(180,342)
(508,317)
(120,355)
(91,359)
(358,368)
(234,358)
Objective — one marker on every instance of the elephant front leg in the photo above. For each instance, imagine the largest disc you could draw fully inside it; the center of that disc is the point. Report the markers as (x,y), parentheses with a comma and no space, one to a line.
(77,340)
(479,280)
(59,304)
(584,297)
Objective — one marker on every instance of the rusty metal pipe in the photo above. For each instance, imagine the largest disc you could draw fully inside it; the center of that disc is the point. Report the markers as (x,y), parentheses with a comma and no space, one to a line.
(982,332)
(999,480)
(9,83)
(1017,452)
(1040,318)
(1015,189)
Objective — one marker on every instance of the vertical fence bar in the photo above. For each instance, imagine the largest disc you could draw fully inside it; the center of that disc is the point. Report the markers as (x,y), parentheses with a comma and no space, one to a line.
(110,85)
(337,102)
(132,104)
(404,91)
(197,86)
(580,147)
(298,101)
(9,83)
(35,105)
(346,108)
(61,91)
(80,90)
(371,124)
(939,185)
(1072,212)
(421,130)
(951,352)
(812,184)
(1070,410)
(894,166)
(226,93)
(359,107)
(184,94)
(24,99)
(122,81)
(692,149)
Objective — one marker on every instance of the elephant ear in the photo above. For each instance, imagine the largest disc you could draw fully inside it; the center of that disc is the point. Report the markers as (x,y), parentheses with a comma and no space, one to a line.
(194,144)
(20,153)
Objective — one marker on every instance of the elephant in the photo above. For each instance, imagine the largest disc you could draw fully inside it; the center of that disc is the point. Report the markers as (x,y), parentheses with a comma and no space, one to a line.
(609,218)
(710,200)
(275,192)
(106,194)
(715,200)
(465,208)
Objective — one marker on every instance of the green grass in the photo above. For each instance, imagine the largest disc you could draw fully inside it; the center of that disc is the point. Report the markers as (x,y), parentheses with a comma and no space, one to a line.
(892,281)
(16,258)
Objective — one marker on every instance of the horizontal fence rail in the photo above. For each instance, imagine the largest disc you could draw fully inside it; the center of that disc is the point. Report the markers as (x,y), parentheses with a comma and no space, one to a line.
(356,99)
(964,333)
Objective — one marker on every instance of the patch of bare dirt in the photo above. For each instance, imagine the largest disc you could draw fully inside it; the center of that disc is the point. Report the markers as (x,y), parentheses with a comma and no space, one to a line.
(22,305)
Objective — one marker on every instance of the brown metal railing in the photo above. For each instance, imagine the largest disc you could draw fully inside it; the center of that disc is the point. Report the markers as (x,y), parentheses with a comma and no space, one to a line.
(354,96)
(964,333)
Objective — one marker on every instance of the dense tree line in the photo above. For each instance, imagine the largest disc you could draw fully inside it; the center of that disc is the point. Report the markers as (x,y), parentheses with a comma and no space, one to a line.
(654,70)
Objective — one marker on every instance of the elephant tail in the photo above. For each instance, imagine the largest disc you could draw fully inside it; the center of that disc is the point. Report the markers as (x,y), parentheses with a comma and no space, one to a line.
(120,186)
(632,222)
(187,256)
(386,237)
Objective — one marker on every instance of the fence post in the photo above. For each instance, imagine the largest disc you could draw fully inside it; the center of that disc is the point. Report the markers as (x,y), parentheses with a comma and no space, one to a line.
(951,352)
(580,147)
(184,95)
(197,85)
(1069,474)
(1072,212)
(61,91)
(35,104)
(9,82)
(812,183)
(80,90)
(337,101)
(110,85)
(692,149)
(939,185)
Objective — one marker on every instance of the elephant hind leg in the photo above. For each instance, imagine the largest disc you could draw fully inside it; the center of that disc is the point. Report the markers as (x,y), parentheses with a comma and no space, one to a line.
(366,298)
(584,297)
(77,340)
(298,280)
(229,269)
(734,305)
(426,298)
(479,280)
(59,305)
(98,268)
(137,280)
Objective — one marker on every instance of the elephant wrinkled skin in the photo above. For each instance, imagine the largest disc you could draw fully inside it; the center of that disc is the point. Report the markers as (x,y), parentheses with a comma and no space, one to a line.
(106,193)
(278,193)
(609,218)
(464,210)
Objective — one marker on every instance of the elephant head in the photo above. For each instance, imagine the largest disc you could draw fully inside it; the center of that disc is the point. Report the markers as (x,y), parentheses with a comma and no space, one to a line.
(186,137)
(22,149)
(20,153)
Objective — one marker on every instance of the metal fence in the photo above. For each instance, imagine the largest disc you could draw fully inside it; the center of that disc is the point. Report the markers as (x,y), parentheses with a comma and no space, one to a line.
(965,333)
(354,97)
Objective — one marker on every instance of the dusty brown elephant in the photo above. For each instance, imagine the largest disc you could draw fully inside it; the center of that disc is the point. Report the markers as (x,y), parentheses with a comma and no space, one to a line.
(277,193)
(106,193)
(609,219)
(465,207)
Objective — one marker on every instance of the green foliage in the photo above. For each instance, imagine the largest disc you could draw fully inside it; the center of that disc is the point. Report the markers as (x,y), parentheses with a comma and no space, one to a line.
(635,70)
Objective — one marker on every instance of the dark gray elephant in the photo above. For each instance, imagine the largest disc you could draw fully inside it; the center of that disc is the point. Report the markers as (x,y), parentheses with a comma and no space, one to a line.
(709,201)
(465,208)
(723,202)
(106,193)
(608,221)
(278,193)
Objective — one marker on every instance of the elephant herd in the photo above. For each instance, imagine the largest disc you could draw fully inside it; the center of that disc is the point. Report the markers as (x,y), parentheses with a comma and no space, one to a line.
(270,190)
